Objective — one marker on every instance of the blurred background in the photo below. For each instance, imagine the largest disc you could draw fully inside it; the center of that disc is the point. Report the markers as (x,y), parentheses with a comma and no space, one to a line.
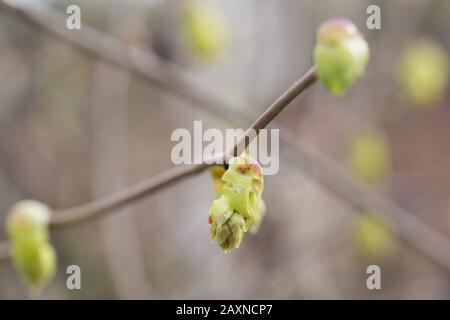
(74,128)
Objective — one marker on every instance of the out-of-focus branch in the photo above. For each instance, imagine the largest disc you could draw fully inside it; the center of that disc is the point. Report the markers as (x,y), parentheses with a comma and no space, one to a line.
(105,47)
(4,250)
(139,62)
(414,232)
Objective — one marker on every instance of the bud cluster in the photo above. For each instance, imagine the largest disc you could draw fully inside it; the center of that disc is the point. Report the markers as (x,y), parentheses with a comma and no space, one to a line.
(239,207)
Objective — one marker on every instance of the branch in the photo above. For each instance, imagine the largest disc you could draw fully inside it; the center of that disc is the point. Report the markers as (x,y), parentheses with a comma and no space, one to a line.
(4,250)
(102,46)
(107,204)
(104,205)
(413,231)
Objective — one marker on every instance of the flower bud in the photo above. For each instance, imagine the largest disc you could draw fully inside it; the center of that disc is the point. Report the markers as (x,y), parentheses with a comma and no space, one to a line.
(35,260)
(423,72)
(370,155)
(340,55)
(205,29)
(240,207)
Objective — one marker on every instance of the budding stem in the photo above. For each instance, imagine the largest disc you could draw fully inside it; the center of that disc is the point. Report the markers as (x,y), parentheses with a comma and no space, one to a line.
(99,207)
(125,196)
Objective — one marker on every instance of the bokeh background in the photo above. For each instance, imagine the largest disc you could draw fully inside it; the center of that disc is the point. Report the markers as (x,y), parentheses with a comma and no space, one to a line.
(74,128)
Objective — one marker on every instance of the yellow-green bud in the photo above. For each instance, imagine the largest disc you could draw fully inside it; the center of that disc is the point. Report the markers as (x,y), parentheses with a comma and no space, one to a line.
(31,252)
(423,72)
(35,260)
(240,207)
(340,55)
(373,236)
(217,173)
(26,217)
(205,29)
(370,156)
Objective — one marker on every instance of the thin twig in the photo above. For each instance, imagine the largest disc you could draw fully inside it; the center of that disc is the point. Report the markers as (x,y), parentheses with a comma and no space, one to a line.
(107,204)
(68,217)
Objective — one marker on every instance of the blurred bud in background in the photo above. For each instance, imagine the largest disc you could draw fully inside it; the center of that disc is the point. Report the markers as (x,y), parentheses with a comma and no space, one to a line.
(423,72)
(228,227)
(205,30)
(28,218)
(32,254)
(36,262)
(370,155)
(373,236)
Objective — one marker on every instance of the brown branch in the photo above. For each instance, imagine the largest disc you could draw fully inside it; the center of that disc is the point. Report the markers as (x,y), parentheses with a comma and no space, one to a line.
(150,67)
(97,208)
(103,205)
(107,204)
